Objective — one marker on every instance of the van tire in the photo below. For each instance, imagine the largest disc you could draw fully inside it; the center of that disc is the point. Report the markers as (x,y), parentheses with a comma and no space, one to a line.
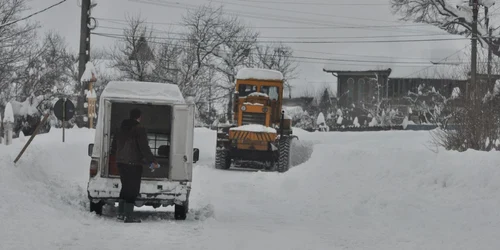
(96,207)
(181,211)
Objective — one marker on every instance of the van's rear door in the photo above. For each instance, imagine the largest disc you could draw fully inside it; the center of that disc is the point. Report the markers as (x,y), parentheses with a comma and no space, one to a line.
(181,152)
(106,140)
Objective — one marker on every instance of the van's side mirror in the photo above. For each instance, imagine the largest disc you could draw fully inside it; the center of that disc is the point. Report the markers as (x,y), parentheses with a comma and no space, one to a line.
(196,155)
(91,149)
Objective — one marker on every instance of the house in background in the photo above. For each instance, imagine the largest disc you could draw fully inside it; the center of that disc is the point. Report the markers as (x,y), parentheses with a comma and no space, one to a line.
(358,85)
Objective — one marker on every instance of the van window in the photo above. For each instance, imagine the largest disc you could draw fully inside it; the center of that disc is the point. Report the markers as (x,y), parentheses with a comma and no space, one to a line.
(271,91)
(246,89)
(156,140)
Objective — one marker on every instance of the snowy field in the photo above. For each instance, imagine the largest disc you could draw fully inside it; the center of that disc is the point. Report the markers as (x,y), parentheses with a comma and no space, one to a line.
(367,190)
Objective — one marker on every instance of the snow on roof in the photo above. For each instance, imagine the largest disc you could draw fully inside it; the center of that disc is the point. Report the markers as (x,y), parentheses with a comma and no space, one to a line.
(254,128)
(404,71)
(8,115)
(150,91)
(261,74)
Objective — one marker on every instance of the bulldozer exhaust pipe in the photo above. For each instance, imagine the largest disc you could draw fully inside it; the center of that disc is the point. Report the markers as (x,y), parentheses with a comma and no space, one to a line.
(282,123)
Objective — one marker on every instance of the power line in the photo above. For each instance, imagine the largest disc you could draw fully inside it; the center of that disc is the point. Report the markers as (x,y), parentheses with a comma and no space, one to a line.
(369,56)
(373,41)
(310,37)
(350,37)
(308,51)
(288,19)
(314,58)
(303,12)
(317,3)
(33,14)
(318,42)
(444,59)
(121,21)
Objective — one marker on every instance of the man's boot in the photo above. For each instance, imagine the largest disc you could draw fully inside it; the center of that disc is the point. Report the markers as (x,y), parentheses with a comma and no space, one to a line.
(121,210)
(129,217)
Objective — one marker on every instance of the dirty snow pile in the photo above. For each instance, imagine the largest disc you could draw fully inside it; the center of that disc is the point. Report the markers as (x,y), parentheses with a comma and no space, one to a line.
(371,190)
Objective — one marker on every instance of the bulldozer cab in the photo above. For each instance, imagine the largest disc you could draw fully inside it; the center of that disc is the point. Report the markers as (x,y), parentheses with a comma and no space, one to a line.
(258,101)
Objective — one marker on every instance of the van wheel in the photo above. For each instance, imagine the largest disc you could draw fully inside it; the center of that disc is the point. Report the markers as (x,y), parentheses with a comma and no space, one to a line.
(96,207)
(181,211)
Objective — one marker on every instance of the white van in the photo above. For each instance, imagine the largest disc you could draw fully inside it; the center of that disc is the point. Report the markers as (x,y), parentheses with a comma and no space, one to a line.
(169,121)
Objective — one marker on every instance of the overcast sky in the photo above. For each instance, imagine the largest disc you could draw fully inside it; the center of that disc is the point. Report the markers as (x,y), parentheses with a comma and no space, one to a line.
(267,16)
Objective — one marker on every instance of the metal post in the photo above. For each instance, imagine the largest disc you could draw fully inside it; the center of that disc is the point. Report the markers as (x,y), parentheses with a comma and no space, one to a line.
(64,119)
(282,123)
(474,50)
(32,137)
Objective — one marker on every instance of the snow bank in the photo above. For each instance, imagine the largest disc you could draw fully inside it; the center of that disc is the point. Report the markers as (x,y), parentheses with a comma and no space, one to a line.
(44,194)
(254,128)
(261,74)
(8,115)
(371,190)
(300,131)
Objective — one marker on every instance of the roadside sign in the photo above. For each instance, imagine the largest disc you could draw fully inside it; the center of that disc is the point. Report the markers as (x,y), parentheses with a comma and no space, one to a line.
(64,109)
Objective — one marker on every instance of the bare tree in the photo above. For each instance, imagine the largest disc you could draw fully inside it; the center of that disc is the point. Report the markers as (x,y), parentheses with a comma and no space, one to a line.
(166,63)
(47,68)
(278,57)
(204,26)
(134,55)
(442,14)
(219,42)
(16,43)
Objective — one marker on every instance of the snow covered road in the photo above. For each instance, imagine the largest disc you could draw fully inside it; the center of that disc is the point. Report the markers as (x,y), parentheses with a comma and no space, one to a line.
(373,190)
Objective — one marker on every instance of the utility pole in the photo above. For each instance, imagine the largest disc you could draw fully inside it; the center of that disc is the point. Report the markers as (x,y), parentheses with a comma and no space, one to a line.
(473,82)
(84,54)
(490,32)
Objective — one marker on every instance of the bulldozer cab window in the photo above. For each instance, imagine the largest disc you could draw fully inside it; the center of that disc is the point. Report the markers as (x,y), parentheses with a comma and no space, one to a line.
(271,91)
(246,89)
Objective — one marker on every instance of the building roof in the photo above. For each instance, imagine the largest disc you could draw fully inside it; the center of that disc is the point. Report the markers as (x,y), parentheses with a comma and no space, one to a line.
(434,71)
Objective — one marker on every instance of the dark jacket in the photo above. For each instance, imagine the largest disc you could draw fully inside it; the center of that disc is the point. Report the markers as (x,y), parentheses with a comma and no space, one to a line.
(130,144)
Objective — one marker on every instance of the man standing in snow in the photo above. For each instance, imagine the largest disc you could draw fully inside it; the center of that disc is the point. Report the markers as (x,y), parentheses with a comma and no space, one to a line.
(131,148)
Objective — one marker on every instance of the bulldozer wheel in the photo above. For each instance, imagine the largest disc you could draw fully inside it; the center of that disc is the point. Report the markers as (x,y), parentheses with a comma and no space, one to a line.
(222,160)
(284,155)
